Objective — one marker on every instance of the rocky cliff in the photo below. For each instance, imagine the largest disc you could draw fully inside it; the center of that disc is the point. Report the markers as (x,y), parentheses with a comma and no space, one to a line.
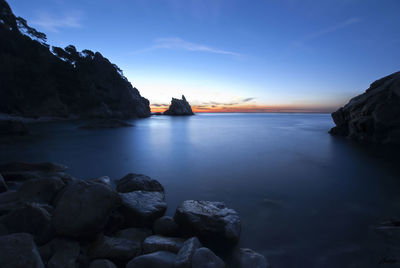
(35,81)
(179,107)
(373,116)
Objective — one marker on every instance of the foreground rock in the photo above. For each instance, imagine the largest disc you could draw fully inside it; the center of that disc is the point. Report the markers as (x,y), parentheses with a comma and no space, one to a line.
(166,226)
(185,254)
(138,182)
(141,208)
(13,128)
(212,222)
(106,123)
(102,264)
(205,258)
(247,258)
(179,107)
(135,234)
(19,250)
(160,259)
(83,208)
(60,252)
(373,116)
(161,243)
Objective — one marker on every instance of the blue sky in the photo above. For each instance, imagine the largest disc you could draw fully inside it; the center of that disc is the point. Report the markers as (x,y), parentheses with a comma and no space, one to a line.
(296,54)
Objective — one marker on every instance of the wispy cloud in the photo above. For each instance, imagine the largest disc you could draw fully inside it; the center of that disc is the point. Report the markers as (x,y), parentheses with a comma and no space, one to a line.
(328,30)
(177,43)
(53,23)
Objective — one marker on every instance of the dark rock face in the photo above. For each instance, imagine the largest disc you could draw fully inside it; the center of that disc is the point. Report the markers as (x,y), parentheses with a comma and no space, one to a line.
(161,243)
(141,208)
(158,259)
(212,222)
(247,258)
(106,123)
(166,226)
(138,182)
(179,107)
(205,258)
(185,254)
(40,190)
(36,82)
(13,128)
(373,116)
(19,250)
(83,208)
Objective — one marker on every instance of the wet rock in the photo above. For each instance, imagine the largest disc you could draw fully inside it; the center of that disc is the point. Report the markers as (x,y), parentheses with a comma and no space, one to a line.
(134,234)
(166,226)
(102,263)
(31,218)
(13,128)
(373,116)
(158,259)
(141,208)
(3,185)
(106,123)
(40,190)
(138,182)
(161,243)
(205,258)
(114,248)
(247,258)
(211,222)
(19,250)
(83,208)
(185,254)
(25,166)
(104,180)
(179,107)
(60,252)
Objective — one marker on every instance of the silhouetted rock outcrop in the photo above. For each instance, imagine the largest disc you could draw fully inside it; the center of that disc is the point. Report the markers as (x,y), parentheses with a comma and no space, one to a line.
(179,107)
(373,116)
(38,82)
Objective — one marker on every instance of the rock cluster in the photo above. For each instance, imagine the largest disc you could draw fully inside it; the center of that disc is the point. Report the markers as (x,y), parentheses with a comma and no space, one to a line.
(373,116)
(179,107)
(50,219)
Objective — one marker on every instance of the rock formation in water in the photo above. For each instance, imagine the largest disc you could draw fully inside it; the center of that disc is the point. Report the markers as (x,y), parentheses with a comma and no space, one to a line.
(179,107)
(50,219)
(373,116)
(38,82)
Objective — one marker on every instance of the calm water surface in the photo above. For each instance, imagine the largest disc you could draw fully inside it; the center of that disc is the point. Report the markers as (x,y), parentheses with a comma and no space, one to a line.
(306,199)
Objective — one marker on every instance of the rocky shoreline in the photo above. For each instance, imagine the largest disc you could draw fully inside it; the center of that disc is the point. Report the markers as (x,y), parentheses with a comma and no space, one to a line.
(50,219)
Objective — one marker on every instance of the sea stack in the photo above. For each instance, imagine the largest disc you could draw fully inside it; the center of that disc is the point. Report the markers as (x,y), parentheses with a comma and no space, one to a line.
(373,116)
(179,107)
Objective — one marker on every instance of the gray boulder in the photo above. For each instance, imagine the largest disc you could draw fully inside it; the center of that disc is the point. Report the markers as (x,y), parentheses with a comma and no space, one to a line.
(205,258)
(160,259)
(3,185)
(40,190)
(247,258)
(166,226)
(19,250)
(138,182)
(134,234)
(373,116)
(185,254)
(141,208)
(212,222)
(83,208)
(114,248)
(102,263)
(179,107)
(161,243)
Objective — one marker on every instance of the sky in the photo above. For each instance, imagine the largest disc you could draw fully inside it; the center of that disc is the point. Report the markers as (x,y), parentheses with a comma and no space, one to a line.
(233,56)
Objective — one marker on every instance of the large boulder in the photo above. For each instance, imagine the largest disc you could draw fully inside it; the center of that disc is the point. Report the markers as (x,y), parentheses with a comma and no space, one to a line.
(13,128)
(161,243)
(185,254)
(247,258)
(166,226)
(373,116)
(138,182)
(83,208)
(19,250)
(116,249)
(157,259)
(40,190)
(141,208)
(205,258)
(212,222)
(179,107)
